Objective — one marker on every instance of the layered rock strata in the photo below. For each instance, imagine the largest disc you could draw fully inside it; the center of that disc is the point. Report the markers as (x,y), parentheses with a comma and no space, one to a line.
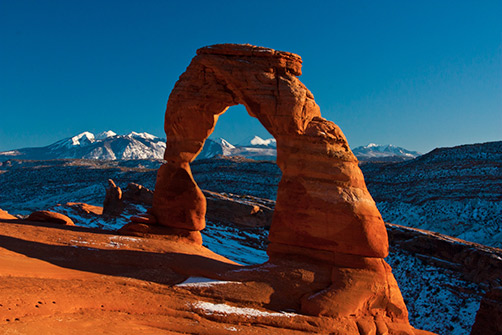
(323,211)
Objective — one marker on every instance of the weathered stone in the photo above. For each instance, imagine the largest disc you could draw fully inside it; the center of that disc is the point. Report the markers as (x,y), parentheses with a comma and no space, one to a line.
(242,212)
(161,232)
(113,203)
(85,209)
(322,200)
(48,216)
(323,211)
(138,194)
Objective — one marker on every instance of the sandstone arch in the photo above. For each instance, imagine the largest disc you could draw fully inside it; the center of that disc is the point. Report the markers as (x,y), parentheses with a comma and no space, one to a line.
(324,216)
(323,208)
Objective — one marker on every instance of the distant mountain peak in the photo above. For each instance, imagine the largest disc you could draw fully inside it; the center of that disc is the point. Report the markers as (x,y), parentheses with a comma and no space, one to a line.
(84,138)
(143,135)
(105,134)
(105,145)
(224,143)
(386,153)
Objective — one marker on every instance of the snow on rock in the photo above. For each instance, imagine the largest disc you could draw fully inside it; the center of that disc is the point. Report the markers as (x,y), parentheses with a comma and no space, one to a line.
(105,134)
(106,145)
(203,282)
(82,139)
(224,309)
(389,152)
(143,135)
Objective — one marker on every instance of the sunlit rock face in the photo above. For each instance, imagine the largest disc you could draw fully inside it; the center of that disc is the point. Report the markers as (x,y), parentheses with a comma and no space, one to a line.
(322,199)
(323,211)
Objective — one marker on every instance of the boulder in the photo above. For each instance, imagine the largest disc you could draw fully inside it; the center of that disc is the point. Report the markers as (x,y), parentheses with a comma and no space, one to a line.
(48,216)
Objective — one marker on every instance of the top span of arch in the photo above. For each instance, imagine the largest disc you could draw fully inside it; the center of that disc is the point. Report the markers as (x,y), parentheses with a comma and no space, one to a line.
(284,59)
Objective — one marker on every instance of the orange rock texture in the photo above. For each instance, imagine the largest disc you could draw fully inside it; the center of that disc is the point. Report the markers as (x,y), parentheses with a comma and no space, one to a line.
(323,212)
(4,215)
(48,216)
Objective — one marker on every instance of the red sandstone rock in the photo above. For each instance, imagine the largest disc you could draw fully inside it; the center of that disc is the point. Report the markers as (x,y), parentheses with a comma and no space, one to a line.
(84,208)
(322,200)
(178,202)
(323,212)
(145,218)
(138,194)
(161,232)
(4,215)
(236,211)
(47,216)
(113,203)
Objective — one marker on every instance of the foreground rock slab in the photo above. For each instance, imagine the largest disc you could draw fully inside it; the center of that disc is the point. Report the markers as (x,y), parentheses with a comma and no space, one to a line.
(58,279)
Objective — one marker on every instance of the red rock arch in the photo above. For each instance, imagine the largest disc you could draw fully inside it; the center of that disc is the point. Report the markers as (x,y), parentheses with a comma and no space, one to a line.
(323,208)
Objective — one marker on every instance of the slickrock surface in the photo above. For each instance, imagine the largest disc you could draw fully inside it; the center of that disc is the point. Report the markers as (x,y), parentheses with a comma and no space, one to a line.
(324,213)
(4,215)
(58,279)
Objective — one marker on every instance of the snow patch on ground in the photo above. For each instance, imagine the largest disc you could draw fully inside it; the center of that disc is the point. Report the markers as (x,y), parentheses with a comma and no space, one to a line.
(236,243)
(204,282)
(224,309)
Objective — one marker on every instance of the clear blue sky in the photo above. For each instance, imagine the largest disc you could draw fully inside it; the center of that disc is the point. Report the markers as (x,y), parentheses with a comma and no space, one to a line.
(418,74)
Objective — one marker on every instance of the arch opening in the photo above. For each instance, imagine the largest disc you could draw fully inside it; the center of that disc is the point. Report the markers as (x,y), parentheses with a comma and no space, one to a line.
(239,178)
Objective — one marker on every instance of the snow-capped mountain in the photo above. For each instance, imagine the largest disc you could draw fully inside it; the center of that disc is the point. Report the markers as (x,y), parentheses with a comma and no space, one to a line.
(383,153)
(215,147)
(105,145)
(253,147)
(110,146)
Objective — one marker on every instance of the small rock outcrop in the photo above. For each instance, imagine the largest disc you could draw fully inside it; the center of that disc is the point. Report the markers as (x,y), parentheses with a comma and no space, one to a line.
(113,203)
(48,216)
(246,212)
(324,213)
(138,194)
(116,201)
(4,215)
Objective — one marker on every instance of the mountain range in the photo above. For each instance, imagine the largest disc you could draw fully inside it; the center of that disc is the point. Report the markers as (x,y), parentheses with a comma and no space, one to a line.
(108,145)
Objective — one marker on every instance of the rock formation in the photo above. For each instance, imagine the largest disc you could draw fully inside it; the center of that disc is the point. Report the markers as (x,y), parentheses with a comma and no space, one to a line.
(113,203)
(48,216)
(323,212)
(138,194)
(4,215)
(230,209)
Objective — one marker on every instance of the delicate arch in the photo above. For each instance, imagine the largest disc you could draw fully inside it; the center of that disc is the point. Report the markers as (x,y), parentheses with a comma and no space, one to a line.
(322,203)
